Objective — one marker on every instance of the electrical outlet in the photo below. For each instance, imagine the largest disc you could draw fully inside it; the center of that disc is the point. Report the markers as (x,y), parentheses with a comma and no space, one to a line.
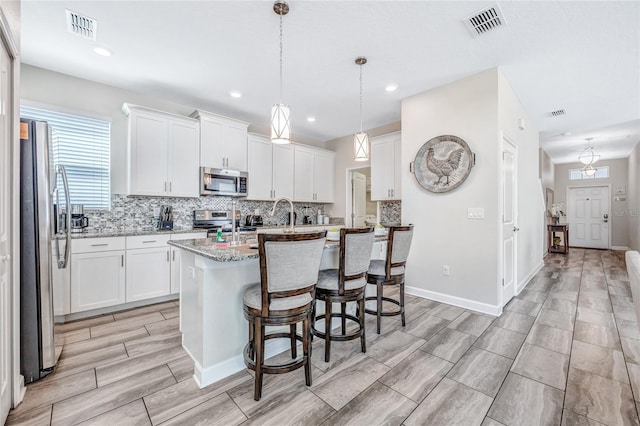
(445,270)
(156,211)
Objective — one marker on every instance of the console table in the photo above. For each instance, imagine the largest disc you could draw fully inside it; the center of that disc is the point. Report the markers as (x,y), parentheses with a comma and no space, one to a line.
(551,231)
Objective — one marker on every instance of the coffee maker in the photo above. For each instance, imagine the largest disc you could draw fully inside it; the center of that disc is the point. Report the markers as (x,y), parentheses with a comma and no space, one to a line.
(79,222)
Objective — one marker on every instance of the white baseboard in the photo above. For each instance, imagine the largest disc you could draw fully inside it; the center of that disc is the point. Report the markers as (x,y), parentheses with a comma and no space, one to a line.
(522,284)
(484,308)
(623,248)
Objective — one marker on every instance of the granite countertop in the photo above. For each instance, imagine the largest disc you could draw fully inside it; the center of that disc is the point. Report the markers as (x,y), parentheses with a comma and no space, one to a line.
(134,232)
(207,247)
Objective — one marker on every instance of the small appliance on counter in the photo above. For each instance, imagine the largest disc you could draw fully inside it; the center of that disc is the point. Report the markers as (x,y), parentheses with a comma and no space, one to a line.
(253,220)
(306,219)
(165,222)
(79,222)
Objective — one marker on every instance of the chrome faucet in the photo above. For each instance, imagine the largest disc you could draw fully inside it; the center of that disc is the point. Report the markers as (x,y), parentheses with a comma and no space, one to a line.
(291,222)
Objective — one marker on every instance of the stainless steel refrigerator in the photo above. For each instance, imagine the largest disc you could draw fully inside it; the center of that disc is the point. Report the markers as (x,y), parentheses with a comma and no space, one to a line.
(39,228)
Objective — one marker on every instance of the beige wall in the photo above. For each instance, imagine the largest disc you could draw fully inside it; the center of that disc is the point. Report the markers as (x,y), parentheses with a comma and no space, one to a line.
(617,176)
(633,198)
(547,179)
(344,162)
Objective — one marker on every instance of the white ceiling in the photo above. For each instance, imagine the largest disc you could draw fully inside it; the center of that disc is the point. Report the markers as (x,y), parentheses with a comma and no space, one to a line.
(583,57)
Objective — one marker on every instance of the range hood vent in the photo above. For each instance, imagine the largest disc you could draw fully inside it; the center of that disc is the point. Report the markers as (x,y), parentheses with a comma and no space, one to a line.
(557,113)
(485,20)
(81,25)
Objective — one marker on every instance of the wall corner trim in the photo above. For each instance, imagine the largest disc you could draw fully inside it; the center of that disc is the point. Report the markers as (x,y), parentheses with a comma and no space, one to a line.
(481,307)
(523,283)
(623,248)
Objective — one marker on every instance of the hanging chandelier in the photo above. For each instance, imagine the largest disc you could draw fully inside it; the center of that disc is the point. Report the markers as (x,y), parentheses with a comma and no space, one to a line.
(588,156)
(361,139)
(280,112)
(589,170)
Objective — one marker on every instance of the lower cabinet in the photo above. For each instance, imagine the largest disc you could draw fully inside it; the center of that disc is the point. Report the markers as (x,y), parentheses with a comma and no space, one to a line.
(97,280)
(148,272)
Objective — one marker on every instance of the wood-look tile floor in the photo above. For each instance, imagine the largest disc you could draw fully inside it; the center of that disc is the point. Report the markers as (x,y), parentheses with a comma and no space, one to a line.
(566,351)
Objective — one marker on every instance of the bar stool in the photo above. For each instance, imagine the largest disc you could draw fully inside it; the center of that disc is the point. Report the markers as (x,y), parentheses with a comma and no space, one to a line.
(345,284)
(390,272)
(289,265)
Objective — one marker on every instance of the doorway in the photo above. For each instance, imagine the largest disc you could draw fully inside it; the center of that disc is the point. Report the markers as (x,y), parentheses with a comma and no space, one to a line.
(360,211)
(589,217)
(509,218)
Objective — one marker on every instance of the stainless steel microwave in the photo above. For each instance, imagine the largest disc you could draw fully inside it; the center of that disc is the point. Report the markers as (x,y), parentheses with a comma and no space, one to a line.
(229,183)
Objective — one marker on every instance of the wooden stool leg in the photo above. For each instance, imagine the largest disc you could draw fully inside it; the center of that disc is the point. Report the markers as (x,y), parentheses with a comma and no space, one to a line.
(343,311)
(363,340)
(294,344)
(252,342)
(402,302)
(306,350)
(327,330)
(378,304)
(259,339)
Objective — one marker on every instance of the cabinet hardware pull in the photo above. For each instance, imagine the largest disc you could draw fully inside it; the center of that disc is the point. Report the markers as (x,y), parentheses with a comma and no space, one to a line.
(167,255)
(170,190)
(174,255)
(148,241)
(122,260)
(165,187)
(99,245)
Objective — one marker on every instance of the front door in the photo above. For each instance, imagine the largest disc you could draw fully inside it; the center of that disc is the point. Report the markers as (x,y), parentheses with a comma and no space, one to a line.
(359,198)
(509,215)
(589,217)
(5,250)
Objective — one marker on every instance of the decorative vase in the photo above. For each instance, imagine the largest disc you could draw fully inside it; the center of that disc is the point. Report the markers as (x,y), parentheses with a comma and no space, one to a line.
(555,220)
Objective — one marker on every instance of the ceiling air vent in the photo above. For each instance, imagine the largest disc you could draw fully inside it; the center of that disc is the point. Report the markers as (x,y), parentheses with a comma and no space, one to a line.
(81,25)
(485,20)
(557,113)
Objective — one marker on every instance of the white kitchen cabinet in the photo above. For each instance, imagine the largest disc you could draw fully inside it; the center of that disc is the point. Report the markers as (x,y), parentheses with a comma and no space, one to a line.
(61,280)
(270,169)
(175,255)
(313,175)
(148,267)
(162,153)
(97,277)
(385,167)
(223,141)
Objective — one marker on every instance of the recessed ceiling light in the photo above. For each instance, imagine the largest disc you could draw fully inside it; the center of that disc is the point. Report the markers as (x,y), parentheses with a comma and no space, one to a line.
(311,119)
(566,134)
(391,87)
(235,94)
(102,51)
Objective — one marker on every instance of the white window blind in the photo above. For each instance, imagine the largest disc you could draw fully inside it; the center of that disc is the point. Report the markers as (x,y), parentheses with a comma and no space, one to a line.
(81,144)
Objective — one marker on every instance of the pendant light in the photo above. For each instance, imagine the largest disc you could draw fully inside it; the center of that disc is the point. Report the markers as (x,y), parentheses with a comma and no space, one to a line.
(588,156)
(361,139)
(589,170)
(280,112)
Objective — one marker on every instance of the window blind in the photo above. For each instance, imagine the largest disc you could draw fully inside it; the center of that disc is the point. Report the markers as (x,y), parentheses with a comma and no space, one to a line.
(82,145)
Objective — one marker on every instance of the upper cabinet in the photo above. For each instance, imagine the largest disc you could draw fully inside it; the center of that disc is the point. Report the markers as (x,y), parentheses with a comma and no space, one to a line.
(313,178)
(270,169)
(162,153)
(385,167)
(223,141)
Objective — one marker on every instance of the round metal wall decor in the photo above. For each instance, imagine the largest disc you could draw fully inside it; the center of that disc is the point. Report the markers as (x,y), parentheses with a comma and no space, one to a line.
(443,163)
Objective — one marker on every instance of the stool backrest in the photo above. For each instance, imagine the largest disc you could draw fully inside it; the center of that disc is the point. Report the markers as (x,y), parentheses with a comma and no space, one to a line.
(289,264)
(355,254)
(398,245)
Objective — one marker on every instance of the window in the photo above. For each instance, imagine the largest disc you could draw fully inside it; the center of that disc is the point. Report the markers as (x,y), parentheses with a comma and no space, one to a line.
(81,144)
(602,172)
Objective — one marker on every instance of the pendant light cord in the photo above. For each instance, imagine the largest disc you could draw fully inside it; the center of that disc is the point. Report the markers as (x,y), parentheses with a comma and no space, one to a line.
(360,98)
(280,57)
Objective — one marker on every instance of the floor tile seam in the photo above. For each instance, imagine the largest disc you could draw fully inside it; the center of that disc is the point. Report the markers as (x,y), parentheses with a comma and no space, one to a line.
(191,408)
(600,375)
(564,391)
(418,404)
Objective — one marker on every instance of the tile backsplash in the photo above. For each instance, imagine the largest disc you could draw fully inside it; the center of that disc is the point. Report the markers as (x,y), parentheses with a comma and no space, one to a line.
(137,213)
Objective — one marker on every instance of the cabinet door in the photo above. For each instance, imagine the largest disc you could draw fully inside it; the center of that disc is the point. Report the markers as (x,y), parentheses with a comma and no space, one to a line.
(304,174)
(97,280)
(382,168)
(212,144)
(236,146)
(148,273)
(396,192)
(323,170)
(175,270)
(283,176)
(183,170)
(260,168)
(147,154)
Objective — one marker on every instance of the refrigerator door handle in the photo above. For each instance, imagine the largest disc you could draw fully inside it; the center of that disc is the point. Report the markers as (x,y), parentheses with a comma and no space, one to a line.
(62,263)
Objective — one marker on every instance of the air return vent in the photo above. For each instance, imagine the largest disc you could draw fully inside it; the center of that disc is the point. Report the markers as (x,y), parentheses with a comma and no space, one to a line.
(557,113)
(81,25)
(485,20)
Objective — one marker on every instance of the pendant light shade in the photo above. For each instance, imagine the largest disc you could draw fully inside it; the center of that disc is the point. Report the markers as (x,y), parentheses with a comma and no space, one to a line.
(588,156)
(280,112)
(361,139)
(589,170)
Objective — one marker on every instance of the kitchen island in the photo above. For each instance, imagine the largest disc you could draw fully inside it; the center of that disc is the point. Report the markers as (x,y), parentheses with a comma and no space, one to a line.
(213,280)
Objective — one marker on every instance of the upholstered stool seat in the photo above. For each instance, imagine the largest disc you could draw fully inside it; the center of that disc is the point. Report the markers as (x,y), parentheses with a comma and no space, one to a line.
(390,272)
(343,285)
(289,265)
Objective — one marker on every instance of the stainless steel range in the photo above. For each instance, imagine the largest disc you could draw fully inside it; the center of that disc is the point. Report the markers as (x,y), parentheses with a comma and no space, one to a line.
(213,220)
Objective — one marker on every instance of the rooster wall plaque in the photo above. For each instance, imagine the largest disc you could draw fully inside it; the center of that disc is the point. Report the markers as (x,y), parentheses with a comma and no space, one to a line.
(443,163)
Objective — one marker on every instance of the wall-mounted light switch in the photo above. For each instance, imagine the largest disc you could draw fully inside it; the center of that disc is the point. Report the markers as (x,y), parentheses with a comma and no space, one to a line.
(475,213)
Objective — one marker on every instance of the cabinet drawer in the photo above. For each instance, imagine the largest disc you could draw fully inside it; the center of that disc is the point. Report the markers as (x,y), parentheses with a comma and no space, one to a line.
(189,236)
(92,245)
(147,241)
